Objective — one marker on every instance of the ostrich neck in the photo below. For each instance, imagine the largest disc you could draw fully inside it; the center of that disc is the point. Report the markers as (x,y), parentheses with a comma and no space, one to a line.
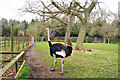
(48,36)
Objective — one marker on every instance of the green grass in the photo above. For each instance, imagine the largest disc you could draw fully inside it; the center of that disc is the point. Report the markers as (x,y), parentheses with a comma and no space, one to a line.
(96,46)
(100,64)
(101,46)
(25,72)
(15,48)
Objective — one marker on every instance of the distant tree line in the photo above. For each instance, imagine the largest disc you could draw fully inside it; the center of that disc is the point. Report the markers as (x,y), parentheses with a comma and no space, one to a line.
(97,29)
(6,26)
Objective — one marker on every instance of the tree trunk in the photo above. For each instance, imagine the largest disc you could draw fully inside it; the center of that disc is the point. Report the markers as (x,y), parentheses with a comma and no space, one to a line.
(42,38)
(104,39)
(108,41)
(80,39)
(69,27)
(95,38)
(86,39)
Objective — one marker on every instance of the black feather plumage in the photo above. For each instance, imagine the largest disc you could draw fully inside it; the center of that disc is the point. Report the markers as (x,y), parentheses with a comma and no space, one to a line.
(58,48)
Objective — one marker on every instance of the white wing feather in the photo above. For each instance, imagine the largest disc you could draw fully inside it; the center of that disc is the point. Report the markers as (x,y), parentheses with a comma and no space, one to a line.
(61,53)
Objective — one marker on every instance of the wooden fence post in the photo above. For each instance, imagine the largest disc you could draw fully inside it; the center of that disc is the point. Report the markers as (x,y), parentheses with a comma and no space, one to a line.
(16,64)
(18,40)
(0,45)
(26,41)
(5,42)
(30,39)
(11,39)
(23,42)
(8,42)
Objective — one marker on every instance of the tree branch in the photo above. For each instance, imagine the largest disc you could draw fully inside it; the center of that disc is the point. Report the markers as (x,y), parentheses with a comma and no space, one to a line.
(80,5)
(89,9)
(79,16)
(54,16)
(58,7)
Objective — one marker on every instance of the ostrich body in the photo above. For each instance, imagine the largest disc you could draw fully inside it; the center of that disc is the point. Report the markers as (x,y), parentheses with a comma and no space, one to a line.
(59,51)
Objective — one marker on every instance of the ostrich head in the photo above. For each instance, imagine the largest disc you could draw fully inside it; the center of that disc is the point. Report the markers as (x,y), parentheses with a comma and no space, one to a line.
(69,46)
(69,43)
(47,29)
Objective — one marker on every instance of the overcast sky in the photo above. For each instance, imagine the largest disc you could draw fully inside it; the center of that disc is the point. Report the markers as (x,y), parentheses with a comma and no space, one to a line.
(9,9)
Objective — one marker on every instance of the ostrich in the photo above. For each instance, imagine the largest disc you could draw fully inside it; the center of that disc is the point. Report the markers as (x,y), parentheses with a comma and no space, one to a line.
(59,51)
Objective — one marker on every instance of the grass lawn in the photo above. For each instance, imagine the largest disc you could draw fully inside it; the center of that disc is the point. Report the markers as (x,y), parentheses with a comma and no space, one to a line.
(100,46)
(102,64)
(15,48)
(8,49)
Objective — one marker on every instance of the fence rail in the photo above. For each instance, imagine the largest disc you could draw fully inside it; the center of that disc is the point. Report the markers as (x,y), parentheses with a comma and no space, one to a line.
(14,61)
(14,43)
(6,43)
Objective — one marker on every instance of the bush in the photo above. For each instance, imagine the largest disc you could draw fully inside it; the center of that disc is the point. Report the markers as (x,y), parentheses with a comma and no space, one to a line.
(90,39)
(114,40)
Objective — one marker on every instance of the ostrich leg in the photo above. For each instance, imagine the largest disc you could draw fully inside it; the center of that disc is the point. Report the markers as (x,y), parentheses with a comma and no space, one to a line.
(54,63)
(62,62)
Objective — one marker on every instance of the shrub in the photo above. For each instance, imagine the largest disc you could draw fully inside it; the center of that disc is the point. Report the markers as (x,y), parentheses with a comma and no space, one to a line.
(90,39)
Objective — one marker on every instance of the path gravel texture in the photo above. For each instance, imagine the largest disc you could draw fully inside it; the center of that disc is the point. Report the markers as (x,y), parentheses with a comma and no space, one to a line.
(38,68)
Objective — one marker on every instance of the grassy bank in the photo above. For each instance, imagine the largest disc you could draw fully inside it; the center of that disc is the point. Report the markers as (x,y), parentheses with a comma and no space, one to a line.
(25,72)
(102,64)
(15,48)
(101,46)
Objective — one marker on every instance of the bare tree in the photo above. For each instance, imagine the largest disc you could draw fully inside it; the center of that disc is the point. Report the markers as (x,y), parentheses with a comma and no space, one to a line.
(109,30)
(53,11)
(86,9)
(35,29)
(57,9)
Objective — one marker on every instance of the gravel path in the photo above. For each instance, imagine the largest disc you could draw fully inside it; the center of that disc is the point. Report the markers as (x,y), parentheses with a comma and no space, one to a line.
(38,69)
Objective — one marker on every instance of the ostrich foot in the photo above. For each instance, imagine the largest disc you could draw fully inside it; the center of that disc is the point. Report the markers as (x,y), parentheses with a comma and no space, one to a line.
(61,73)
(52,69)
